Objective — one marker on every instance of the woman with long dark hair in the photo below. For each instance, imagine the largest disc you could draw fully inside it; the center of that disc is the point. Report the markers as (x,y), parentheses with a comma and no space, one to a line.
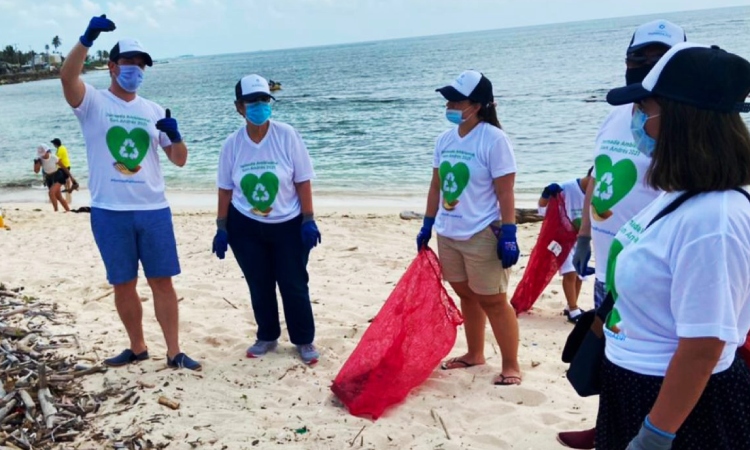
(471,204)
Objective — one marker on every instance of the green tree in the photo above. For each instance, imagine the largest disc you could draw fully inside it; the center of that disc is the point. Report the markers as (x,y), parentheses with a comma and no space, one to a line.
(46,49)
(56,42)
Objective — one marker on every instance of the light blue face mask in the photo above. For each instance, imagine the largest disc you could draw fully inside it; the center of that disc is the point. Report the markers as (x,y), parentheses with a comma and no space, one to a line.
(258,113)
(454,116)
(130,77)
(645,143)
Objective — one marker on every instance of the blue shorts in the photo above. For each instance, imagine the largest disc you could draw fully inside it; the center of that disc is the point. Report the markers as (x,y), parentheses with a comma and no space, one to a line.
(126,237)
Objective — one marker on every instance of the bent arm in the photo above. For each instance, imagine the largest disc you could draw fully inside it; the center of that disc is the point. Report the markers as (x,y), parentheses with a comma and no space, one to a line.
(685,381)
(37,166)
(506,197)
(70,75)
(304,192)
(585,229)
(177,153)
(433,195)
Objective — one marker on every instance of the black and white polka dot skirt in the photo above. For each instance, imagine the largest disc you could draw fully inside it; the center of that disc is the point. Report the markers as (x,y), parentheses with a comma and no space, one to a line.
(720,420)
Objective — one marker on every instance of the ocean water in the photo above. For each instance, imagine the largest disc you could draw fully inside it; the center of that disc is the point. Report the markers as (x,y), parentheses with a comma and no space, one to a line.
(368,112)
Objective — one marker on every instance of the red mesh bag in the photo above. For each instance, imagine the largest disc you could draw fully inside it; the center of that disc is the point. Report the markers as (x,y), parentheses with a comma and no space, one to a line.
(414,330)
(745,351)
(556,239)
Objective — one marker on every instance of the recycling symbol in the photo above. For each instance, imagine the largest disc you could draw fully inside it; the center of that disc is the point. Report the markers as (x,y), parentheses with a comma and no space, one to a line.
(450,185)
(128,149)
(604,188)
(260,193)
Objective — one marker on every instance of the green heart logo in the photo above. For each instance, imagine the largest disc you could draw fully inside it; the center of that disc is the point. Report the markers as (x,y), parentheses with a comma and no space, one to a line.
(453,180)
(128,148)
(260,192)
(613,182)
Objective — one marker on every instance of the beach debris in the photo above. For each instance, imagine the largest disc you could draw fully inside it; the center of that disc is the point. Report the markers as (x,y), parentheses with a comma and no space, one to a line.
(523,215)
(169,403)
(439,420)
(42,402)
(351,443)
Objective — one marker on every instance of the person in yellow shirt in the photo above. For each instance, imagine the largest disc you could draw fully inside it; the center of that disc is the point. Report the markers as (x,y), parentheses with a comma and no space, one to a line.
(62,155)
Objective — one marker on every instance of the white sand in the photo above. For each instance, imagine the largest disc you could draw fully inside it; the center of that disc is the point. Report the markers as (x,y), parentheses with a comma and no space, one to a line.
(236,401)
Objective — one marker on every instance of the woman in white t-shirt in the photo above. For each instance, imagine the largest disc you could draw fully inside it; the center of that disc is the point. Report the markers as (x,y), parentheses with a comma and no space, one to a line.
(55,175)
(266,216)
(671,378)
(474,171)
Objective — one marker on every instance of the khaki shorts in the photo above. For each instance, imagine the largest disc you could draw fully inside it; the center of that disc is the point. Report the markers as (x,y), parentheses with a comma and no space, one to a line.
(474,260)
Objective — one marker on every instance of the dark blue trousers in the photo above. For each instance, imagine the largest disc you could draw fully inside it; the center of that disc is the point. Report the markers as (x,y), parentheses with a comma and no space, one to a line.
(271,255)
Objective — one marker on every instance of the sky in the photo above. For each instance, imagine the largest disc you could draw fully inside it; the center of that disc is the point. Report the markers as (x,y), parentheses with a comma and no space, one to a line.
(205,27)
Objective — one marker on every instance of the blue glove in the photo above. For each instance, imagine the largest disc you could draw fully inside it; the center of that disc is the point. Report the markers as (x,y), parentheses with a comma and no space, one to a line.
(221,240)
(507,246)
(96,26)
(169,126)
(310,233)
(551,191)
(425,233)
(651,438)
(582,255)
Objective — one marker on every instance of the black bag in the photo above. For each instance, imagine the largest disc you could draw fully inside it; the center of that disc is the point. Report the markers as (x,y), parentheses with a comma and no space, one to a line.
(584,348)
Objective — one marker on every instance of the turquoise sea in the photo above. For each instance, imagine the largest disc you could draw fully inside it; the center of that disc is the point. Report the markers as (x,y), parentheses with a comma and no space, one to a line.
(369,112)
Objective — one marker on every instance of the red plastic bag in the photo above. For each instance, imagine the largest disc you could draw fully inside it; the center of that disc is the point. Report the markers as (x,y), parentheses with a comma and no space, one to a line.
(745,351)
(556,239)
(414,330)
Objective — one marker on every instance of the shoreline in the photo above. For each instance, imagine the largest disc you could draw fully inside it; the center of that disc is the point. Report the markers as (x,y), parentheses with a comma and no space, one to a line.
(201,200)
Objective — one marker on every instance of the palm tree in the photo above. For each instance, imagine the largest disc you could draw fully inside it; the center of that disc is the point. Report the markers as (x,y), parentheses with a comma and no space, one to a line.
(46,49)
(56,42)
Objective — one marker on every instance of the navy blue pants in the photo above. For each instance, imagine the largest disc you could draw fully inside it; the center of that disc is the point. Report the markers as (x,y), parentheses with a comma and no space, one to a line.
(271,254)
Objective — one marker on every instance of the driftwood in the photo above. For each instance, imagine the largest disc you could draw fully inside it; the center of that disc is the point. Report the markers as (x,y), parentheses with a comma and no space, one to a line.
(41,400)
(523,215)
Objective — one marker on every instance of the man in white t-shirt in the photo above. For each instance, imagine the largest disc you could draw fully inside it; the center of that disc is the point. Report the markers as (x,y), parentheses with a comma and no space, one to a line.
(574,192)
(619,191)
(130,216)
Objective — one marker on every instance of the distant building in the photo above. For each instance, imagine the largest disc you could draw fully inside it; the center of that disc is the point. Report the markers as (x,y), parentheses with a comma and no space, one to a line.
(40,59)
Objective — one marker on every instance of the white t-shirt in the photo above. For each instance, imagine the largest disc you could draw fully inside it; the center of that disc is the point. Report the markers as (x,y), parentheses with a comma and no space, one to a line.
(262,176)
(122,151)
(620,191)
(686,276)
(467,168)
(49,165)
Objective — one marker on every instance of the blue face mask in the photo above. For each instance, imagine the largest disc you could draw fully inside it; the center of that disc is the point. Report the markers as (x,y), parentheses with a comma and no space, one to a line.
(130,78)
(258,113)
(454,116)
(645,143)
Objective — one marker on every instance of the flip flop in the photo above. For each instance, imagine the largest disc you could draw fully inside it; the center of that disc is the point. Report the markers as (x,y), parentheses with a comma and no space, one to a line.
(458,362)
(511,380)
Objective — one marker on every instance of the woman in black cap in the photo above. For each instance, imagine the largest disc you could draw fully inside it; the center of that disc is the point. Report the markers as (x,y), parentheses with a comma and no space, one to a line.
(671,378)
(474,171)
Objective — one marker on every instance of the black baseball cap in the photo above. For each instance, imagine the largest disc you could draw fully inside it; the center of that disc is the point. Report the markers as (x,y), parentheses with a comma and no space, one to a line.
(56,141)
(470,85)
(698,75)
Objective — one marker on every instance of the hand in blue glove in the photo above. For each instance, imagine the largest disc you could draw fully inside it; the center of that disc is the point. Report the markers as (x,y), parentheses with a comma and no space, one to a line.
(551,191)
(168,125)
(221,239)
(651,438)
(582,254)
(96,26)
(310,234)
(507,246)
(425,233)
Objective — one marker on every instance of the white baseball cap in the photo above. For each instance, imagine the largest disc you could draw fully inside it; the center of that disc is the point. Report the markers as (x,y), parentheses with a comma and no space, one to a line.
(129,48)
(657,32)
(252,87)
(42,150)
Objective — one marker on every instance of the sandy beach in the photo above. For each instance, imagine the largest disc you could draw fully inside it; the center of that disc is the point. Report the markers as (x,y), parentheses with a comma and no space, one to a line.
(239,403)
